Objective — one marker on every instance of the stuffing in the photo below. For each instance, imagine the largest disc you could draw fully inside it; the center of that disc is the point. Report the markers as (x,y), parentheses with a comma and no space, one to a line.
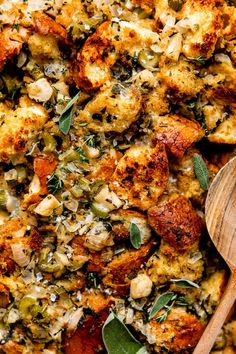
(167,263)
(122,220)
(118,271)
(43,46)
(177,222)
(176,132)
(212,289)
(113,109)
(105,46)
(201,26)
(179,331)
(11,42)
(180,79)
(19,130)
(141,176)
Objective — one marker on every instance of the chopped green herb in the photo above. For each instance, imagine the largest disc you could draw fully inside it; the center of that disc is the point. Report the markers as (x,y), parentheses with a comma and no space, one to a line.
(201,60)
(185,283)
(164,315)
(135,236)
(66,115)
(118,339)
(90,140)
(54,183)
(83,124)
(16,26)
(201,171)
(82,157)
(160,302)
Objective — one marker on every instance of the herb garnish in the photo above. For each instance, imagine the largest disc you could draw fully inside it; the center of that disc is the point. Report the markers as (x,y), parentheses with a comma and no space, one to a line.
(185,283)
(82,156)
(66,115)
(135,236)
(54,183)
(118,339)
(201,171)
(160,302)
(201,60)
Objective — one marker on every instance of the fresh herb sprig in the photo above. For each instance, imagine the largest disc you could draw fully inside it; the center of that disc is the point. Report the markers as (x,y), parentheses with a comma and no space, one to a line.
(54,183)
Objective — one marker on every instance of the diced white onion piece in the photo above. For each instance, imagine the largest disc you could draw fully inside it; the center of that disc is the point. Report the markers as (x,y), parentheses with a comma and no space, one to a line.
(10,175)
(47,205)
(174,47)
(34,186)
(223,58)
(19,255)
(74,319)
(40,90)
(13,316)
(108,199)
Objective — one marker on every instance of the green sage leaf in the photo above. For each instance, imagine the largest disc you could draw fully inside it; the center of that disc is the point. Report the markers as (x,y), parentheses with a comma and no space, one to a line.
(201,171)
(66,115)
(161,301)
(118,339)
(185,283)
(135,236)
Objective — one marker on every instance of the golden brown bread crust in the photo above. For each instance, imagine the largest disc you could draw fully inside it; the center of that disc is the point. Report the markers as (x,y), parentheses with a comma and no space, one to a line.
(43,24)
(121,267)
(179,332)
(20,128)
(88,337)
(180,79)
(177,222)
(44,166)
(141,175)
(177,133)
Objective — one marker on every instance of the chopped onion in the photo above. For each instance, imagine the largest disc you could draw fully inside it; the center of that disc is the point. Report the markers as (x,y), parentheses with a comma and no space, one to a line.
(74,319)
(19,255)
(174,47)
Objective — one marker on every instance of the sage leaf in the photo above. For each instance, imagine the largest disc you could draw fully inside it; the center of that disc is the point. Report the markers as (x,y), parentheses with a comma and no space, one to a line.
(118,339)
(65,122)
(66,115)
(201,171)
(185,283)
(135,236)
(161,301)
(71,103)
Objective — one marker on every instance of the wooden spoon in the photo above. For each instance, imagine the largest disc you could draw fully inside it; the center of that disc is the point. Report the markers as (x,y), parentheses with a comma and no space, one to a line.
(221,224)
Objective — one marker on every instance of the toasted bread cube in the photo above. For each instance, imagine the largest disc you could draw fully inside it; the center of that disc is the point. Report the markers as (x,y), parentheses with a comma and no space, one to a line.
(177,222)
(177,133)
(141,176)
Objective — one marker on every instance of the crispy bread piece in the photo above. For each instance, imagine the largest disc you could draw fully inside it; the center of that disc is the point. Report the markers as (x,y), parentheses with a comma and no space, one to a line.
(141,175)
(177,222)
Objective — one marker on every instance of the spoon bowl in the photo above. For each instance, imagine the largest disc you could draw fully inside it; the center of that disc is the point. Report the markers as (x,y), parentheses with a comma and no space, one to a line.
(220,211)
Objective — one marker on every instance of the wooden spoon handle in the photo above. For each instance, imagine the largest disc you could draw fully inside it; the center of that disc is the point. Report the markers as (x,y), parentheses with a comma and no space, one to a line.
(213,328)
